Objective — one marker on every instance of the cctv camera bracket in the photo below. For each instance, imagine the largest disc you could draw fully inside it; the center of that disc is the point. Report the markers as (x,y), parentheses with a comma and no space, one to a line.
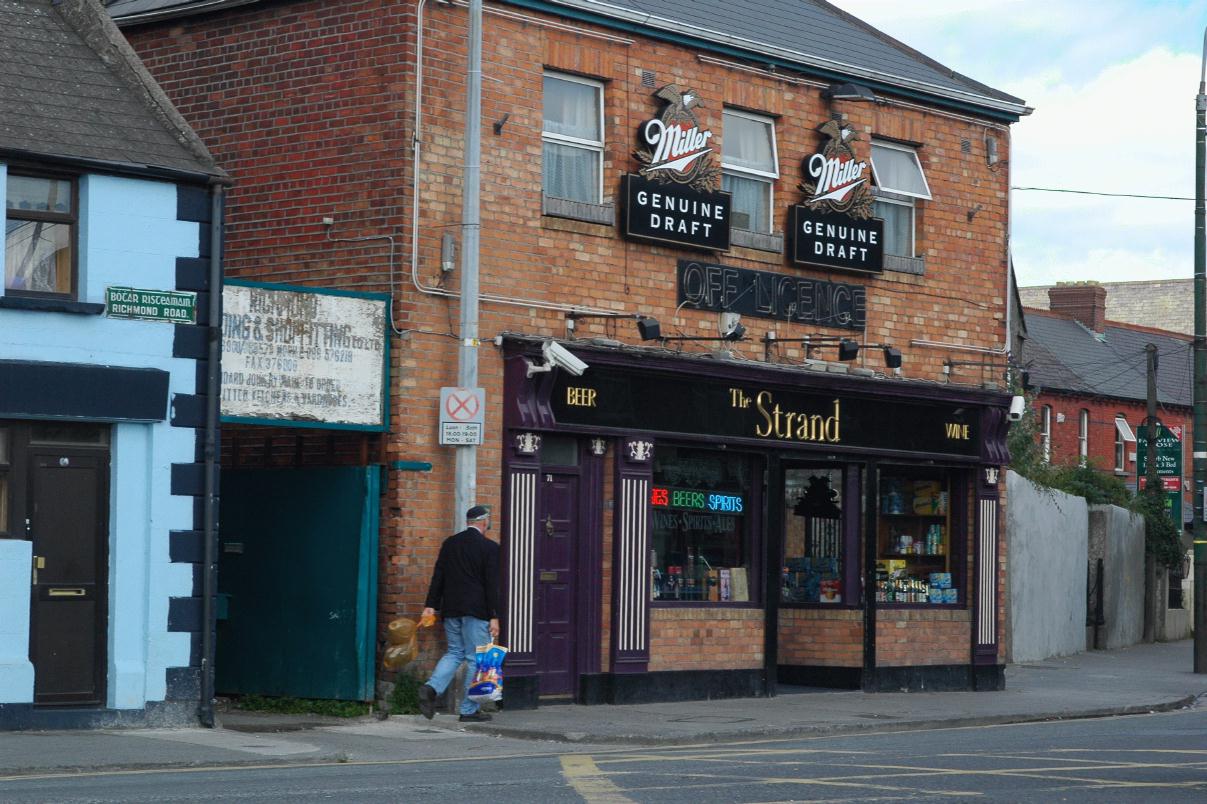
(533,368)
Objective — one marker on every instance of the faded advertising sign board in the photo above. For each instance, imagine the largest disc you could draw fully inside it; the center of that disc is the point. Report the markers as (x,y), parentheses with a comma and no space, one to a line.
(304,357)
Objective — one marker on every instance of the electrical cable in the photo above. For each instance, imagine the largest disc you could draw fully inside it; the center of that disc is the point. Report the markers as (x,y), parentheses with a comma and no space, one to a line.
(1106,195)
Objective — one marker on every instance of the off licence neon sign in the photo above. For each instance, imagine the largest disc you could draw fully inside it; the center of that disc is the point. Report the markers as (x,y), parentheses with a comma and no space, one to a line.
(696,500)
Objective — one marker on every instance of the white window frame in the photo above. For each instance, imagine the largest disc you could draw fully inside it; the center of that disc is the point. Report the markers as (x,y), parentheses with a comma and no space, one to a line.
(913,152)
(1045,433)
(749,173)
(597,146)
(1123,435)
(1083,437)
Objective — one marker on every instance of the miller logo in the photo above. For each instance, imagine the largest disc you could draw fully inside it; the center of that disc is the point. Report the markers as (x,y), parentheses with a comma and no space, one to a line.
(839,181)
(678,150)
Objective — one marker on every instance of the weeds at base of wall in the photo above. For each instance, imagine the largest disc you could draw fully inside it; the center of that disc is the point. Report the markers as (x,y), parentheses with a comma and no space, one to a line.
(301,706)
(404,698)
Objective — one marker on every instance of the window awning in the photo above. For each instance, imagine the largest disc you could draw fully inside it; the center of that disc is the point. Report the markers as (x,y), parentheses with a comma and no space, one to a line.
(897,170)
(1125,432)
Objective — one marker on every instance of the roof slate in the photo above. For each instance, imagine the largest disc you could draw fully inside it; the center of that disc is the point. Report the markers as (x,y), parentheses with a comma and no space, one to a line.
(1062,355)
(818,33)
(71,87)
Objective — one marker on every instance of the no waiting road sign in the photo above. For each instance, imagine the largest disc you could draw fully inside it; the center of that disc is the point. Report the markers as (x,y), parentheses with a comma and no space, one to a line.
(462,415)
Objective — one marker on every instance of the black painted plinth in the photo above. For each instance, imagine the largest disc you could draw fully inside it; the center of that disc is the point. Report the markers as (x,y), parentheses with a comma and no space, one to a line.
(840,678)
(157,714)
(920,678)
(521,692)
(989,678)
(671,685)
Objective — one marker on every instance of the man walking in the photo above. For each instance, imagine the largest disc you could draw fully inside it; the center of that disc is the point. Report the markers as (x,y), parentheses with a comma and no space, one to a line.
(465,590)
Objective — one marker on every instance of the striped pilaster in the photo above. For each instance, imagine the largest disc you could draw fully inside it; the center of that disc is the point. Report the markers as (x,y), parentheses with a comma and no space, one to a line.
(630,558)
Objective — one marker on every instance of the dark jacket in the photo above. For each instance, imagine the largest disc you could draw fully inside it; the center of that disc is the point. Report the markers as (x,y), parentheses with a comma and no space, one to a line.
(465,582)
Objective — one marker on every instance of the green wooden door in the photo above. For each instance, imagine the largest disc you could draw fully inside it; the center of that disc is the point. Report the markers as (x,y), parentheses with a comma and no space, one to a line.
(297,581)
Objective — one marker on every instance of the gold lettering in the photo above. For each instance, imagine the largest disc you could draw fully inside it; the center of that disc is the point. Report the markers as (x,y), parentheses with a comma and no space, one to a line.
(833,436)
(580,397)
(758,404)
(957,431)
(818,432)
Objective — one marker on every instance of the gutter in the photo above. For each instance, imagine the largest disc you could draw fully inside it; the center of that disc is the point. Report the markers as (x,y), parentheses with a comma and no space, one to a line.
(184,10)
(209,567)
(647,20)
(132,169)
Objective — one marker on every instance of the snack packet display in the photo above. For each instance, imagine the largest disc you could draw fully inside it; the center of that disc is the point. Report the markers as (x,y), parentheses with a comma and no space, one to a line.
(488,680)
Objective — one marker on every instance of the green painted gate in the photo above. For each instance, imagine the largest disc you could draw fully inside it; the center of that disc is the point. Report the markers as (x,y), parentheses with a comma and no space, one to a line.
(297,582)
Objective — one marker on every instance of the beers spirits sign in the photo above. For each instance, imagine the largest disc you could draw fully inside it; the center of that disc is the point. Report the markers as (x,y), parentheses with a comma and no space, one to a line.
(834,226)
(673,197)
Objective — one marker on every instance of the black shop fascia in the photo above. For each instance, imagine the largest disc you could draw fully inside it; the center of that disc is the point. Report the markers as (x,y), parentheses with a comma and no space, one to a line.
(673,199)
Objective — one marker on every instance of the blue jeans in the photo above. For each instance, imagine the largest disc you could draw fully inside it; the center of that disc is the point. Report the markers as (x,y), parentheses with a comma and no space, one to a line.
(464,635)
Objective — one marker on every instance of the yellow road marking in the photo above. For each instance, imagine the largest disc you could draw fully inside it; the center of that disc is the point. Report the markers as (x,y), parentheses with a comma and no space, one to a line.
(590,782)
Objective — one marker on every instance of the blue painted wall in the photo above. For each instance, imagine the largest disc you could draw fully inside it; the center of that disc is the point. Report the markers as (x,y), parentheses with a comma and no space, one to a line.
(128,236)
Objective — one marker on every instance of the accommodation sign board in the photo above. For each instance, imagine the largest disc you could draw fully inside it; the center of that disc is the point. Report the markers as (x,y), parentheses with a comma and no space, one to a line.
(765,294)
(306,358)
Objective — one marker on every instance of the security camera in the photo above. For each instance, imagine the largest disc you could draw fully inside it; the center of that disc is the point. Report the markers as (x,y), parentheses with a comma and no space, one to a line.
(560,356)
(1018,406)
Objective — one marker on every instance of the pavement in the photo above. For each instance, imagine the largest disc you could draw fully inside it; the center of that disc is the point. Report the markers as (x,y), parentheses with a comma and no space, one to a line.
(1142,678)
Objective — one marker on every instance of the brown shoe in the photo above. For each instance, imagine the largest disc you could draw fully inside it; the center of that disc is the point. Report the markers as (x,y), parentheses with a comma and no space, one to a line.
(427,701)
(476,717)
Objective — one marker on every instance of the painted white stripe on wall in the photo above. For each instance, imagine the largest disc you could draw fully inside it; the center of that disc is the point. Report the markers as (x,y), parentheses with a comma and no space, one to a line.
(633,586)
(986,587)
(522,545)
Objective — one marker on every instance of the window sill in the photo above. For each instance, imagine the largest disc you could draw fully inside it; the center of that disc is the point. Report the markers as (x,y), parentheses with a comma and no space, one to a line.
(50,305)
(759,241)
(905,265)
(604,214)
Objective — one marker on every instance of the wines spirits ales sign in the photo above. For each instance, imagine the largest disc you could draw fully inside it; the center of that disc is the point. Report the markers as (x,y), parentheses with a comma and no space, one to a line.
(673,197)
(834,226)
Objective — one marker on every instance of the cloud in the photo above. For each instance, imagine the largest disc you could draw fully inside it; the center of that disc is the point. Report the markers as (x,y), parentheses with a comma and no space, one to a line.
(1113,86)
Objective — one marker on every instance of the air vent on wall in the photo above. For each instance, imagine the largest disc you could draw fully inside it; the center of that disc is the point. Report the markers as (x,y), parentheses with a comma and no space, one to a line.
(648,79)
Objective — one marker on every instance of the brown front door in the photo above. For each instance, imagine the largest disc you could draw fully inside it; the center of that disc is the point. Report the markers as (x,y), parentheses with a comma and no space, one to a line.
(67,514)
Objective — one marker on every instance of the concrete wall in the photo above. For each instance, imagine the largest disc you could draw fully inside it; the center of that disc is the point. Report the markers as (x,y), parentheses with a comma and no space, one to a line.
(129,235)
(1117,536)
(1047,533)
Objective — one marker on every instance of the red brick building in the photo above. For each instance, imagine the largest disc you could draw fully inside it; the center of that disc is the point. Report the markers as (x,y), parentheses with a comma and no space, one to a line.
(1091,388)
(682,506)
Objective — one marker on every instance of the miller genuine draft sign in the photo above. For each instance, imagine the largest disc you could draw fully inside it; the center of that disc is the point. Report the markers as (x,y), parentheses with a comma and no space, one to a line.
(627,399)
(673,197)
(834,226)
(765,294)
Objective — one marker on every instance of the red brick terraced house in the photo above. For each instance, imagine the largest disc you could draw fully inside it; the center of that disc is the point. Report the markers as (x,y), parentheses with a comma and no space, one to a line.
(810,495)
(1089,378)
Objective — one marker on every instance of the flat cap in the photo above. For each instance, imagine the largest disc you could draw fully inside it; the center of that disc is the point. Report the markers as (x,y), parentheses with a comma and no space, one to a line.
(477,512)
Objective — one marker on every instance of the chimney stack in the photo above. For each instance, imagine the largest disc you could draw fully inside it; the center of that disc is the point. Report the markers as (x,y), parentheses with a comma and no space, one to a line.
(1084,301)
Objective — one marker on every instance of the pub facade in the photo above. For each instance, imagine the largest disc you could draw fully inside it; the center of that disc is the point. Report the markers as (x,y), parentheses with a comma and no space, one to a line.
(743,321)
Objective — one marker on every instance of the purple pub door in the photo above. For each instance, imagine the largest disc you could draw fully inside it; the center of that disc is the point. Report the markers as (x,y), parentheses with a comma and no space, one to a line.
(555,622)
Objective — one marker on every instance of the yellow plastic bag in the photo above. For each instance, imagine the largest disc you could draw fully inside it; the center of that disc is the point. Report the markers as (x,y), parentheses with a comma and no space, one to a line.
(403,647)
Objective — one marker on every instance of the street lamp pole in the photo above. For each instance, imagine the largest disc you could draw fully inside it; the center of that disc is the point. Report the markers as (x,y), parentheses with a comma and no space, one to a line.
(1200,373)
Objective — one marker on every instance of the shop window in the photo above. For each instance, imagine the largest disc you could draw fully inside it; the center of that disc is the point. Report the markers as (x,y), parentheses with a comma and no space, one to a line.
(749,169)
(1045,433)
(919,538)
(573,138)
(813,537)
(1083,437)
(900,183)
(701,539)
(1123,436)
(39,236)
(5,486)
